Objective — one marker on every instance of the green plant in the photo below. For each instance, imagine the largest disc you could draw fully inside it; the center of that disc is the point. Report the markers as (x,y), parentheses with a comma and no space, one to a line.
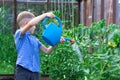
(64,63)
(7,46)
(100,60)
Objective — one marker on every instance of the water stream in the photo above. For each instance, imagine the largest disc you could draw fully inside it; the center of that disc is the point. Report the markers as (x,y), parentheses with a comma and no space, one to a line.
(77,50)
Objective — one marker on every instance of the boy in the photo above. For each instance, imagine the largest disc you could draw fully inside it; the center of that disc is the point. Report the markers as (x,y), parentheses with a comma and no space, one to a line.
(28,46)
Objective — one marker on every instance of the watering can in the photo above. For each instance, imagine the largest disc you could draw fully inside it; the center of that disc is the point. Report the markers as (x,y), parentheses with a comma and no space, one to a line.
(52,32)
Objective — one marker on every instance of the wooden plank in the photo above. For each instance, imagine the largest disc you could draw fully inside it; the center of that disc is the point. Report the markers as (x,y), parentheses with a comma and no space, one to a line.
(118,12)
(114,11)
(109,12)
(99,9)
(105,10)
(89,12)
(83,12)
(92,10)
(102,9)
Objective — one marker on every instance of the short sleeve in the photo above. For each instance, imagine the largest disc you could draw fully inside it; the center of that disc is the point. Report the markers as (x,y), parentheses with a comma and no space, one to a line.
(39,43)
(17,34)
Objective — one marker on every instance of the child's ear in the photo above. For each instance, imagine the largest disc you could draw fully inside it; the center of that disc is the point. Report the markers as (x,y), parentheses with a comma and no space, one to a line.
(26,21)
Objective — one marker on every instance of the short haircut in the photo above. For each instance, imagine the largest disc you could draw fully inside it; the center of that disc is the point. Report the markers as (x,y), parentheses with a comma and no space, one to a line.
(24,15)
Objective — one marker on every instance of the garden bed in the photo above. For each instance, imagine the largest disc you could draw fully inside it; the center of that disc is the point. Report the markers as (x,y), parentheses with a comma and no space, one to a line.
(11,77)
(6,76)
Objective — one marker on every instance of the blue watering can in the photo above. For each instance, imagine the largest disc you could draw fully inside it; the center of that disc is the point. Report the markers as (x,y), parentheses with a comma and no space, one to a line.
(52,32)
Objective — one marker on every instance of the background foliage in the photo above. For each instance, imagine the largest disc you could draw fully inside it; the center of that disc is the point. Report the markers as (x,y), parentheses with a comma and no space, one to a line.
(99,45)
(7,47)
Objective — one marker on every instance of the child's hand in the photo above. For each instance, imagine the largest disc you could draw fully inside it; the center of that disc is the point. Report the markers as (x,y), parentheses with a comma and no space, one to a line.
(62,40)
(72,41)
(50,14)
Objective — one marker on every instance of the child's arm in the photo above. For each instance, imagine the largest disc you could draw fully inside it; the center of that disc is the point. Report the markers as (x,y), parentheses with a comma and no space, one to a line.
(47,50)
(35,20)
(51,48)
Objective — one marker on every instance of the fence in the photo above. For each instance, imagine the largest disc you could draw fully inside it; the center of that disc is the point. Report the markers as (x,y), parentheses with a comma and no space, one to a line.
(78,11)
(95,10)
(87,11)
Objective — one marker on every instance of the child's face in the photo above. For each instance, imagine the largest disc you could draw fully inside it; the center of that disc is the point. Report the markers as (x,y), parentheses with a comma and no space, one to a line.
(32,29)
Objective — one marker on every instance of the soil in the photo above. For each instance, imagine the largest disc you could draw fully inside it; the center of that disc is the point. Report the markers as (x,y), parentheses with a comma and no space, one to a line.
(11,77)
(6,76)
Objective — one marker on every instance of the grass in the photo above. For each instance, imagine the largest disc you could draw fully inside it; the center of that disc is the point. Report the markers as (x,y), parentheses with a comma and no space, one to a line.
(6,68)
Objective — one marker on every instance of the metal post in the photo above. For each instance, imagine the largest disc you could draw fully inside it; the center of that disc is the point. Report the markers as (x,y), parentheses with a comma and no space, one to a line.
(79,1)
(15,16)
(48,6)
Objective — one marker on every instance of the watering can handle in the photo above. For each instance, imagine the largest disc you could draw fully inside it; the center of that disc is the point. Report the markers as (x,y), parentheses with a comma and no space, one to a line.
(45,20)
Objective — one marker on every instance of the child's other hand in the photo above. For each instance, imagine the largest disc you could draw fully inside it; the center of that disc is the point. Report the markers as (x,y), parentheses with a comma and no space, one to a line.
(72,41)
(62,40)
(50,14)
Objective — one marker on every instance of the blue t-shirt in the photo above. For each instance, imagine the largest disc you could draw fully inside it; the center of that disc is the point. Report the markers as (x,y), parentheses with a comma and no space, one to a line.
(28,51)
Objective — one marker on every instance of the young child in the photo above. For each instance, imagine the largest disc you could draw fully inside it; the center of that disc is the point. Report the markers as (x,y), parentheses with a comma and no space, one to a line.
(28,46)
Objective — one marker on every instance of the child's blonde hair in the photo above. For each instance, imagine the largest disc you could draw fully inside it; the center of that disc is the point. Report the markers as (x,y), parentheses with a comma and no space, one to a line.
(22,16)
